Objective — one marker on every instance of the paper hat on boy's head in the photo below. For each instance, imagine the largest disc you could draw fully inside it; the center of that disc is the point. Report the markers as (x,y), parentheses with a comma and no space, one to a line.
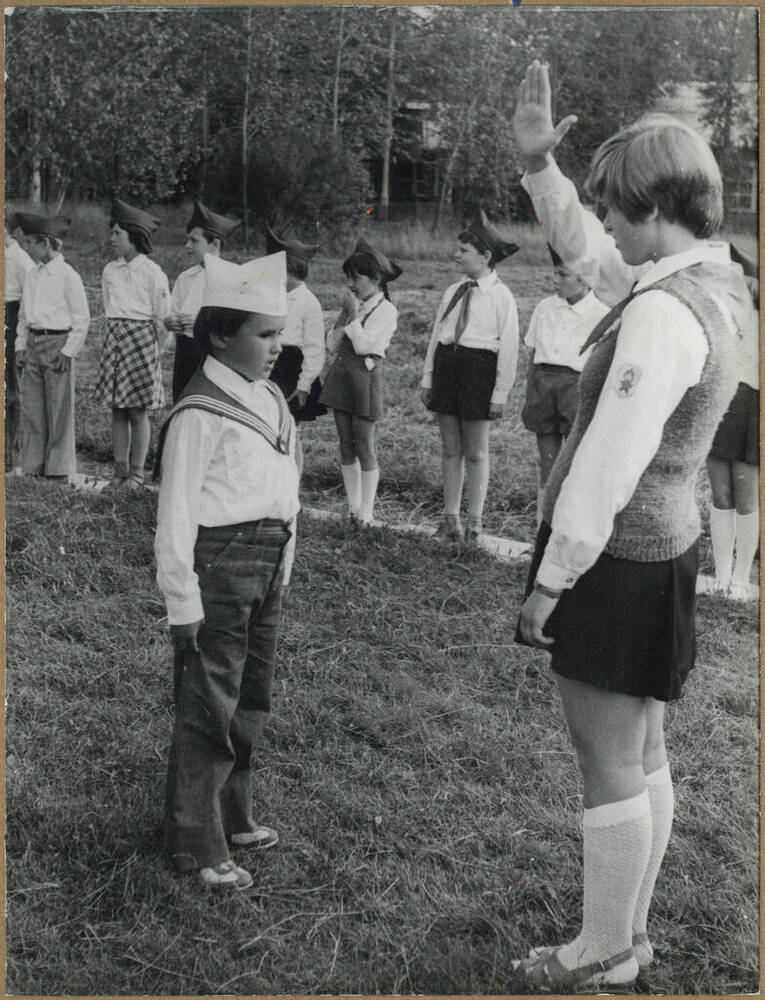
(749,266)
(41,225)
(257,286)
(303,251)
(126,215)
(485,233)
(555,258)
(388,269)
(203,218)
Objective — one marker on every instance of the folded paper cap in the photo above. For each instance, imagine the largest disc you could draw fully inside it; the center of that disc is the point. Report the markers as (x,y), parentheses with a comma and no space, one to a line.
(257,286)
(486,234)
(303,251)
(555,258)
(41,225)
(750,268)
(389,270)
(126,215)
(203,218)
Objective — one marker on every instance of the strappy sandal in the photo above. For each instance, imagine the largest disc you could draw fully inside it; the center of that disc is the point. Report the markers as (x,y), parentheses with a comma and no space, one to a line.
(260,838)
(544,969)
(225,875)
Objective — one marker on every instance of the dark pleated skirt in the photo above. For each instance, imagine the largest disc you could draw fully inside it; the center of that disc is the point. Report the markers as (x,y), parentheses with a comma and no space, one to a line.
(286,373)
(351,387)
(626,626)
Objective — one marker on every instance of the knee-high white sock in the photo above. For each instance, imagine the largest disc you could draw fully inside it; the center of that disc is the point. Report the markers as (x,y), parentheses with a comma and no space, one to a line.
(722,529)
(747,540)
(369,480)
(617,844)
(540,499)
(352,481)
(661,797)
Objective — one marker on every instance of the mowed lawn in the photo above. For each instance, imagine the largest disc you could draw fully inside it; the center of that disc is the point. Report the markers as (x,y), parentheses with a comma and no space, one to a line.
(416,763)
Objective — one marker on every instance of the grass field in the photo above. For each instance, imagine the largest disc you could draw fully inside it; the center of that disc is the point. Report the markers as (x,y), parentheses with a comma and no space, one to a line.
(416,764)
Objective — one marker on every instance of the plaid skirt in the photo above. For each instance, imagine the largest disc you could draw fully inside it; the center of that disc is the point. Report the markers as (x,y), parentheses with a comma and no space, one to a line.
(129,371)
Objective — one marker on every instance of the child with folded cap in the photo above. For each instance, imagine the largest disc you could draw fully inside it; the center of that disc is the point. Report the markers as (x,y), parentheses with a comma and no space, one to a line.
(559,326)
(53,323)
(136,302)
(207,234)
(469,369)
(353,388)
(734,463)
(297,369)
(224,544)
(17,263)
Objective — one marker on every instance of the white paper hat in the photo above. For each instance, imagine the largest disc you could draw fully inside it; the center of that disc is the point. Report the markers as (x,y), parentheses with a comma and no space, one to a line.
(257,286)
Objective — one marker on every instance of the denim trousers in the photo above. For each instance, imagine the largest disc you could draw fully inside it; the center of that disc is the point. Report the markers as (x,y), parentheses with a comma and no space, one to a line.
(47,409)
(222,691)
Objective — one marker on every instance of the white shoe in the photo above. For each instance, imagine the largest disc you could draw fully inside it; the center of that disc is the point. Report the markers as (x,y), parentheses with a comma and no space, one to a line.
(260,838)
(225,875)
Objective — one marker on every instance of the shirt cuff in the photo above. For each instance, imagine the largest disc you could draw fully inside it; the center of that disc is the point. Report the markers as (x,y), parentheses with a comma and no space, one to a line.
(427,381)
(185,611)
(499,396)
(543,182)
(555,577)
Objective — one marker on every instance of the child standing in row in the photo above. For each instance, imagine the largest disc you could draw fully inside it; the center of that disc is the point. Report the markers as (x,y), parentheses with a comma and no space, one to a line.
(469,369)
(225,536)
(297,369)
(207,234)
(136,301)
(17,263)
(559,326)
(53,323)
(354,385)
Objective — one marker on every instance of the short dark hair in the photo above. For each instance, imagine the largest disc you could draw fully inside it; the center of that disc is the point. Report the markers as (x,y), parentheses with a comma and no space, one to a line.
(297,267)
(138,237)
(209,235)
(365,265)
(216,319)
(467,236)
(661,163)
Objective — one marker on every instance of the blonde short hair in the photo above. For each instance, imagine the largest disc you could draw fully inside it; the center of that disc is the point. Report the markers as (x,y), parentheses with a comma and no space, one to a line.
(660,162)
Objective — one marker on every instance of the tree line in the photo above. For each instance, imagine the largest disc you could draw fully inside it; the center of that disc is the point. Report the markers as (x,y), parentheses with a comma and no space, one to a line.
(276,113)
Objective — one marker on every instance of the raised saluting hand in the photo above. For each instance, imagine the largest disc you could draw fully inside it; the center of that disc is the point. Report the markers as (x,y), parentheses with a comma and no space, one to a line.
(535,134)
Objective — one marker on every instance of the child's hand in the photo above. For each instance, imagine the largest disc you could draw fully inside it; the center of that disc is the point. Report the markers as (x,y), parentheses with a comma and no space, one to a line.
(350,305)
(496,411)
(300,395)
(61,363)
(536,609)
(185,636)
(426,395)
(173,323)
(534,132)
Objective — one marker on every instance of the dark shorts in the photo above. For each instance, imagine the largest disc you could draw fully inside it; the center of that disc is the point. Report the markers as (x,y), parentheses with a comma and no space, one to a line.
(625,626)
(738,436)
(551,398)
(187,359)
(463,381)
(286,373)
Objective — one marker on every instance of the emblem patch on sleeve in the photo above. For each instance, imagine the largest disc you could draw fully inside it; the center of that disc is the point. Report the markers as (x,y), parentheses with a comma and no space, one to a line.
(626,381)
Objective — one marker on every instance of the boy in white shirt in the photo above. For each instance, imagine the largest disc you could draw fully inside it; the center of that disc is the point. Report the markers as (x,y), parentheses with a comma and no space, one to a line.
(17,263)
(224,542)
(207,234)
(558,328)
(53,323)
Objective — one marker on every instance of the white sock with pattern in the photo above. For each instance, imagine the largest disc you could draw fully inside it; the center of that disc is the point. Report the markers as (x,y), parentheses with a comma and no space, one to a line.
(352,481)
(722,529)
(617,844)
(661,797)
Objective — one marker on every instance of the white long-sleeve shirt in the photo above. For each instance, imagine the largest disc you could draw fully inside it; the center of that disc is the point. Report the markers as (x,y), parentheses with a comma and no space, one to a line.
(135,289)
(558,330)
(186,297)
(53,298)
(17,263)
(372,330)
(305,329)
(492,325)
(216,471)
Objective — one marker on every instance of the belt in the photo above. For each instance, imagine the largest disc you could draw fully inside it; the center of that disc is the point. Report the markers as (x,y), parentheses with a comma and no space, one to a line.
(545,366)
(38,331)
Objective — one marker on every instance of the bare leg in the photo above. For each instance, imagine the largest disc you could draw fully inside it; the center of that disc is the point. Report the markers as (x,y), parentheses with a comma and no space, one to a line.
(120,441)
(140,438)
(475,440)
(722,519)
(452,463)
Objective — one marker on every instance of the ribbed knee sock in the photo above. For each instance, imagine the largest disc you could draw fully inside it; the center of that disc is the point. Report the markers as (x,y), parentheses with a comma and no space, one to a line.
(352,481)
(661,797)
(369,481)
(722,529)
(617,845)
(747,540)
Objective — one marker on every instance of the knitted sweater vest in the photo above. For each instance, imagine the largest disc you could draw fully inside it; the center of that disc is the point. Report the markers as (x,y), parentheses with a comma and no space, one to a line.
(661,519)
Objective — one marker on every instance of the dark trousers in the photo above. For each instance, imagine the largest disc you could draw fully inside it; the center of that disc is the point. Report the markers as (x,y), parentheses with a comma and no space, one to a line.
(187,360)
(12,406)
(223,690)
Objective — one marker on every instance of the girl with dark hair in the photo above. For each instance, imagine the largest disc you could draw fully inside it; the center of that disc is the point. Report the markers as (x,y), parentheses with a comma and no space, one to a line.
(136,301)
(354,385)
